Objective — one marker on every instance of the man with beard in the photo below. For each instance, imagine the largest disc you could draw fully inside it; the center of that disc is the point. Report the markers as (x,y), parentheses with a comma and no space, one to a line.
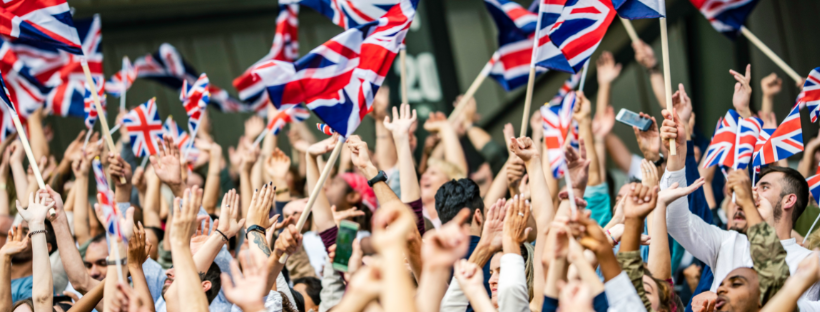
(722,250)
(21,265)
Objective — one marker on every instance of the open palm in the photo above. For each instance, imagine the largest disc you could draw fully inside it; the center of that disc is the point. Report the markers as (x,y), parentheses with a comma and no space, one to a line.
(403,119)
(166,162)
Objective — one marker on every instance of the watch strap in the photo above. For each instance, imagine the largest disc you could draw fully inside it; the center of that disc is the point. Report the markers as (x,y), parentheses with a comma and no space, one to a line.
(380,177)
(256,228)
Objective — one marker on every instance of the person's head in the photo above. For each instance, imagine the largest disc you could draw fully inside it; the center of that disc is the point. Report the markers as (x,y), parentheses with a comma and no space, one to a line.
(483,177)
(95,255)
(26,255)
(294,209)
(455,195)
(309,288)
(438,172)
(349,190)
(495,270)
(739,291)
(195,178)
(25,305)
(211,282)
(660,294)
(286,304)
(787,191)
(624,190)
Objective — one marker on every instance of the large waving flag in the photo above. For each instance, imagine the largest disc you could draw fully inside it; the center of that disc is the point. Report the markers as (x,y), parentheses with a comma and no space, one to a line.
(786,141)
(6,124)
(726,16)
(294,114)
(569,34)
(749,134)
(63,71)
(568,86)
(195,98)
(88,102)
(810,96)
(24,89)
(510,65)
(285,48)
(143,126)
(122,80)
(348,14)
(556,121)
(637,9)
(721,150)
(339,79)
(46,22)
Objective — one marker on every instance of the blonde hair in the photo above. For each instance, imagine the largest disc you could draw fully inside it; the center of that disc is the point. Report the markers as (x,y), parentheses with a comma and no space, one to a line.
(452,171)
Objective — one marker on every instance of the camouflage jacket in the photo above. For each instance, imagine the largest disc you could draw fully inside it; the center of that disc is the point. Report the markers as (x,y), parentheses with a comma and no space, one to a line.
(632,264)
(769,260)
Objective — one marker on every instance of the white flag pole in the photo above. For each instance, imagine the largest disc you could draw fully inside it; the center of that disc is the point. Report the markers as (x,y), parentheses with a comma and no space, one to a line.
(472,89)
(531,80)
(87,137)
(124,80)
(100,113)
(667,75)
(403,67)
(630,30)
(776,59)
(584,76)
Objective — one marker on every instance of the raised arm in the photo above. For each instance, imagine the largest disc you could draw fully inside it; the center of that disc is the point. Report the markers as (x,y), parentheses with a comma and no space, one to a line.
(17,242)
(211,190)
(471,279)
(618,151)
(167,165)
(82,227)
(277,165)
(70,256)
(771,86)
(582,115)
(138,251)
(150,210)
(607,71)
(391,225)
(386,147)
(743,92)
(639,203)
(440,250)
(807,274)
(249,156)
(18,173)
(185,274)
(645,55)
(400,127)
(35,214)
(453,152)
(37,137)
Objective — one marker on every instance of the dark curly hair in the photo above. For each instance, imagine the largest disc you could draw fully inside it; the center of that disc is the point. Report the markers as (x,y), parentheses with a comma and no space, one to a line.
(456,195)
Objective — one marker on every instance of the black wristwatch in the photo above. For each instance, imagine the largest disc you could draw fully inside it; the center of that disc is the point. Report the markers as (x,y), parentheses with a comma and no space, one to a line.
(380,177)
(255,228)
(660,160)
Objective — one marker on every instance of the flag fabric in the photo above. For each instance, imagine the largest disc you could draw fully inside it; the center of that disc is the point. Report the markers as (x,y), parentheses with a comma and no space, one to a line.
(510,65)
(180,138)
(810,96)
(106,200)
(814,187)
(339,79)
(122,80)
(285,48)
(786,140)
(195,98)
(46,22)
(721,149)
(67,99)
(6,124)
(295,114)
(556,121)
(567,87)
(346,13)
(637,9)
(726,16)
(325,129)
(748,136)
(143,126)
(570,32)
(88,102)
(25,91)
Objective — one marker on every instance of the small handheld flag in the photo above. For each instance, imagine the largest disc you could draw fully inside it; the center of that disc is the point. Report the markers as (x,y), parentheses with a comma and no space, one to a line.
(556,121)
(786,140)
(144,126)
(810,96)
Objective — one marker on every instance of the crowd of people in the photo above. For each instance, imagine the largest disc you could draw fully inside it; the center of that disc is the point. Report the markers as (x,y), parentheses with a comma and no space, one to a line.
(472,225)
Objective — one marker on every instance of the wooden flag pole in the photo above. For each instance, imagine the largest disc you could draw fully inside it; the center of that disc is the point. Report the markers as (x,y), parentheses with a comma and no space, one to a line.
(531,80)
(124,86)
(32,161)
(100,112)
(630,30)
(667,76)
(584,76)
(471,90)
(317,188)
(776,59)
(403,65)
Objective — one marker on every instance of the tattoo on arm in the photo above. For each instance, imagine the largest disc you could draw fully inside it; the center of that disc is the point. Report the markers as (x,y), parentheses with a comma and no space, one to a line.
(260,242)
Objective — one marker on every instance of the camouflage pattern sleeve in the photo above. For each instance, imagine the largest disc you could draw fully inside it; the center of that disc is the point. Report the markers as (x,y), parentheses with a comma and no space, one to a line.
(769,260)
(632,264)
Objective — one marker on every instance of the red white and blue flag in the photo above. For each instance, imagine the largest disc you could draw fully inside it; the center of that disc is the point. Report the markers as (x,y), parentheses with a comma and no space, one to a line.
(180,138)
(195,98)
(63,71)
(721,149)
(88,102)
(814,187)
(556,121)
(749,134)
(570,31)
(46,22)
(568,86)
(294,114)
(510,65)
(106,200)
(143,126)
(6,124)
(285,48)
(810,96)
(122,80)
(348,14)
(637,9)
(325,129)
(339,79)
(726,16)
(25,91)
(786,141)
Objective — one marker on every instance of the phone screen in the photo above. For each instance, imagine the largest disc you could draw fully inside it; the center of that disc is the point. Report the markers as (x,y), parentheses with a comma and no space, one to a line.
(344,244)
(632,119)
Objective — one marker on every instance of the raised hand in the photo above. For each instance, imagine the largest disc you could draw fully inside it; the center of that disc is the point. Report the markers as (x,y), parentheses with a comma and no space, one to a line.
(673,128)
(119,169)
(16,153)
(360,154)
(515,224)
(603,123)
(641,201)
(166,163)
(649,141)
(644,54)
(743,91)
(739,182)
(138,247)
(348,214)
(442,248)
(75,149)
(249,156)
(402,121)
(557,239)
(469,276)
(380,103)
(392,223)
(248,286)
(524,149)
(185,221)
(259,210)
(229,223)
(583,108)
(682,103)
(37,209)
(591,235)
(674,192)
(577,164)
(435,122)
(515,170)
(769,120)
(704,302)
(278,165)
(650,173)
(608,70)
(493,231)
(16,242)
(288,242)
(771,85)
(323,147)
(254,127)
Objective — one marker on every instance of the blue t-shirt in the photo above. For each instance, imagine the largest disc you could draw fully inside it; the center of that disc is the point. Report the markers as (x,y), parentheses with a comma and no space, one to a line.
(597,198)
(21,288)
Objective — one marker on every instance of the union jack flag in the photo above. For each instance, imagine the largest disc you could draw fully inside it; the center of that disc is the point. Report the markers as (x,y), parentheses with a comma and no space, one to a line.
(68,99)
(195,98)
(786,140)
(570,32)
(106,200)
(47,22)
(325,129)
(637,9)
(814,187)
(24,89)
(556,121)
(88,102)
(144,126)
(747,140)
(721,150)
(285,48)
(180,137)
(810,96)
(567,87)
(510,65)
(339,79)
(726,16)
(295,114)
(122,80)
(348,14)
